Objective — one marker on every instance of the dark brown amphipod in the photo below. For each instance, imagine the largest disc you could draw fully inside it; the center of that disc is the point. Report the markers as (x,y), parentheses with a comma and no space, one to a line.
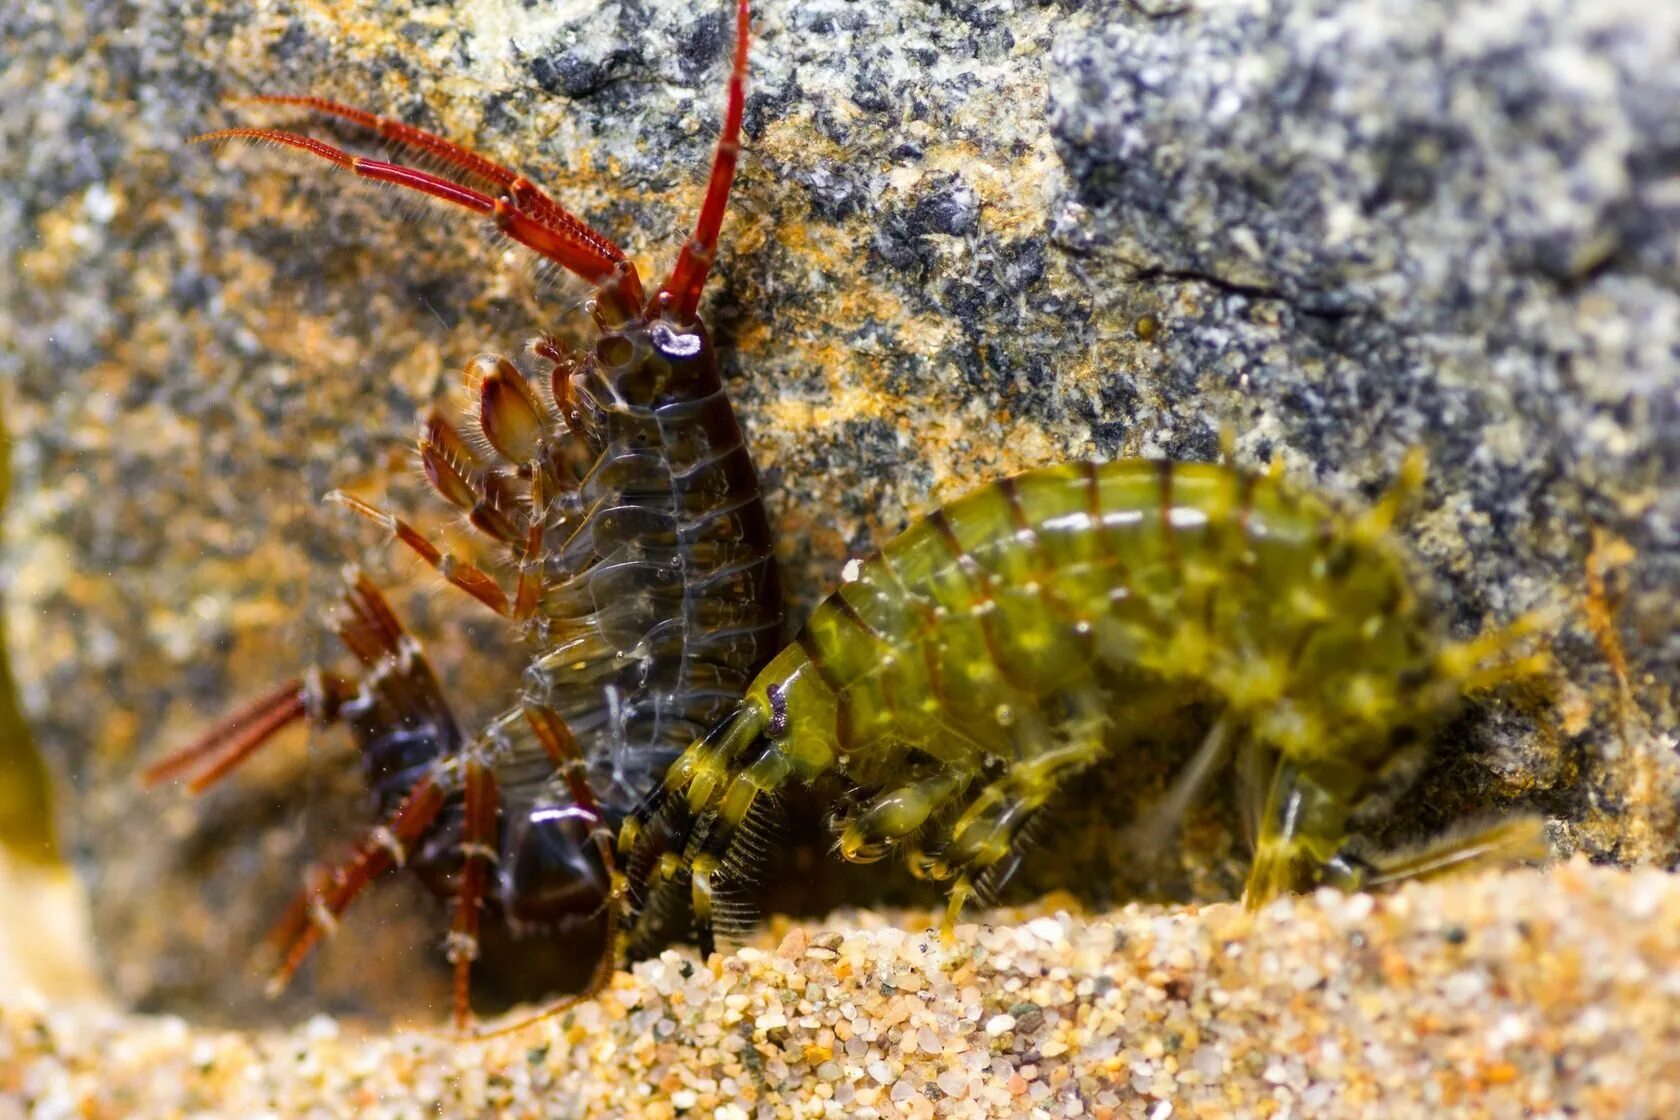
(620,490)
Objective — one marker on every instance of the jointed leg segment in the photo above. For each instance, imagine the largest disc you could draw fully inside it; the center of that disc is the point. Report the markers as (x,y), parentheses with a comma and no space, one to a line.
(493,176)
(316,909)
(229,743)
(470,578)
(562,749)
(521,211)
(985,835)
(480,820)
(395,681)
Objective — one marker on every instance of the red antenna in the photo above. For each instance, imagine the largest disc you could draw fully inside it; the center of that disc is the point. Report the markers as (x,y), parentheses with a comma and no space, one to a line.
(521,209)
(681,293)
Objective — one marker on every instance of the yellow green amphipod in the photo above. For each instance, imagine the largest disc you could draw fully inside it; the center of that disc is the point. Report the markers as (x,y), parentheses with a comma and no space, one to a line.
(989,655)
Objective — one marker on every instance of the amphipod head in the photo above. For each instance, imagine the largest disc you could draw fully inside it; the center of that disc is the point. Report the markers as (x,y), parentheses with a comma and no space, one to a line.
(646,365)
(653,351)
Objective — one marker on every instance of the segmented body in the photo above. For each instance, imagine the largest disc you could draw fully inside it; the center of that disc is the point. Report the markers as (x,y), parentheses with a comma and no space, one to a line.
(975,667)
(659,601)
(617,486)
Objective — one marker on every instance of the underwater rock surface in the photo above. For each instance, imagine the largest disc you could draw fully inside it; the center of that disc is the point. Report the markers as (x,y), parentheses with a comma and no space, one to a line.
(966,239)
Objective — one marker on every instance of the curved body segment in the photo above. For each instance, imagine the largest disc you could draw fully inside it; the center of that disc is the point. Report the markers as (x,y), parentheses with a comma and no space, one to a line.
(972,669)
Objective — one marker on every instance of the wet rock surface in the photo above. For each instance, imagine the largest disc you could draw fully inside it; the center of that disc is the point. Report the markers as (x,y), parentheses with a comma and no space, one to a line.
(967,239)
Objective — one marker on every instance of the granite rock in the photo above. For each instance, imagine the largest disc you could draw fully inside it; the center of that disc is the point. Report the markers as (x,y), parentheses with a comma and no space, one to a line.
(967,238)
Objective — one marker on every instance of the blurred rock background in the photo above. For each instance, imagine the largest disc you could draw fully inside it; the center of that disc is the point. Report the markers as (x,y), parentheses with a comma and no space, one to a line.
(967,238)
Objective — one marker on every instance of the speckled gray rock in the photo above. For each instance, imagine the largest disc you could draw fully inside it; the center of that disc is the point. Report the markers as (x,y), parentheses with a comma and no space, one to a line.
(1378,225)
(1464,224)
(967,239)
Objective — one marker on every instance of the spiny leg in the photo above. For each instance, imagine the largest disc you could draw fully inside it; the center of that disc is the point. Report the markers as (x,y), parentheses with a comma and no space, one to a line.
(714,854)
(396,682)
(465,482)
(683,830)
(987,831)
(396,688)
(562,749)
(369,630)
(551,232)
(527,592)
(468,577)
(516,423)
(657,832)
(734,855)
(227,745)
(317,908)
(401,691)
(481,813)
(1157,827)
(471,166)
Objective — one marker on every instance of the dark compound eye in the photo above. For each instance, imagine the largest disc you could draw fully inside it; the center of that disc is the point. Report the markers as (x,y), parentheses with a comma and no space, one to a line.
(557,874)
(778,712)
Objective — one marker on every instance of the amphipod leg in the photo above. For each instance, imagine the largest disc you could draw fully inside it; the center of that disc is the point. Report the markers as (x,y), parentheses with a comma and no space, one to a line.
(390,664)
(487,500)
(481,812)
(466,483)
(469,164)
(317,908)
(516,423)
(562,749)
(990,827)
(397,689)
(1519,839)
(527,595)
(470,578)
(664,824)
(725,844)
(224,747)
(371,632)
(1281,861)
(1152,833)
(549,230)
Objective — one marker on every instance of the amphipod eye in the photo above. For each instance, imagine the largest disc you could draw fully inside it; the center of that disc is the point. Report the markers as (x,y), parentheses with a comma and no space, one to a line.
(557,874)
(674,343)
